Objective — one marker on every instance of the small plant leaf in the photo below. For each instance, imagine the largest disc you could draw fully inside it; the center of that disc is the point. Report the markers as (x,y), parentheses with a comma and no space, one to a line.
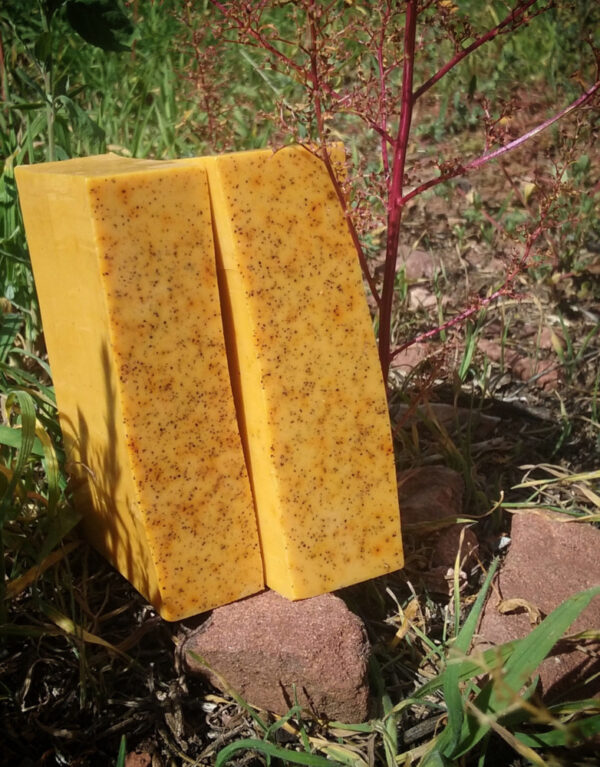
(12,438)
(43,48)
(436,759)
(454,703)
(270,750)
(576,733)
(122,755)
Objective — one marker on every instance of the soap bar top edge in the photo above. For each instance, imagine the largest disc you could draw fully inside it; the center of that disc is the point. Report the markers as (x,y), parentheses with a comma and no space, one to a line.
(98,166)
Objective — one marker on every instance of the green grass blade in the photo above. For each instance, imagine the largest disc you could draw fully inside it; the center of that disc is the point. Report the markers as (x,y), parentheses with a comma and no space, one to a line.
(436,759)
(29,381)
(51,467)
(387,725)
(498,695)
(295,711)
(533,649)
(14,438)
(122,755)
(24,353)
(588,705)
(469,351)
(467,669)
(269,750)
(575,734)
(450,737)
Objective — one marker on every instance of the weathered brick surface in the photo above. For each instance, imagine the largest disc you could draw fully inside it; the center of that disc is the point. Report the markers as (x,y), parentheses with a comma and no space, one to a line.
(547,562)
(264,645)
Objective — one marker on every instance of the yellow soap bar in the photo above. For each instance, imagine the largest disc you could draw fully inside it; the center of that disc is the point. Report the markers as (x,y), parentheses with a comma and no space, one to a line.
(124,264)
(306,375)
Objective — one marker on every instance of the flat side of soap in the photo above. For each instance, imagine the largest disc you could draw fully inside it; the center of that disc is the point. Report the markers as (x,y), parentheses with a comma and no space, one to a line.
(123,258)
(305,371)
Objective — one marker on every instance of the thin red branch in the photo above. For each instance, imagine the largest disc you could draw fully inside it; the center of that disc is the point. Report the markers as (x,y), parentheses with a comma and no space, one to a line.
(505,289)
(395,203)
(515,18)
(461,170)
(351,228)
(314,72)
(260,40)
(458,320)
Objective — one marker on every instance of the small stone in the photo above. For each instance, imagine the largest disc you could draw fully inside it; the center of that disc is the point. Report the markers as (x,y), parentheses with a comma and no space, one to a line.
(547,562)
(138,759)
(542,374)
(429,497)
(438,577)
(418,263)
(448,544)
(420,297)
(429,494)
(264,645)
(409,358)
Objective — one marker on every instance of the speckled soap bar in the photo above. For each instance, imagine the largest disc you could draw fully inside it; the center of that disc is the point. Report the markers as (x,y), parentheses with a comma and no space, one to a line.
(124,264)
(306,375)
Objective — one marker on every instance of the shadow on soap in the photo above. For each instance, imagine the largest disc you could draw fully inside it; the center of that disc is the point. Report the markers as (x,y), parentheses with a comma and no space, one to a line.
(110,521)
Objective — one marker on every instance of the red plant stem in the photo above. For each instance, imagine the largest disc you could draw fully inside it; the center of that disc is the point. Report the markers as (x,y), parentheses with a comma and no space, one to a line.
(261,42)
(499,151)
(460,318)
(314,72)
(504,290)
(515,17)
(396,202)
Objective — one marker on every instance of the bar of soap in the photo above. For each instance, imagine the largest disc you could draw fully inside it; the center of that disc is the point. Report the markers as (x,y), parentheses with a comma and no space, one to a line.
(124,263)
(305,372)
